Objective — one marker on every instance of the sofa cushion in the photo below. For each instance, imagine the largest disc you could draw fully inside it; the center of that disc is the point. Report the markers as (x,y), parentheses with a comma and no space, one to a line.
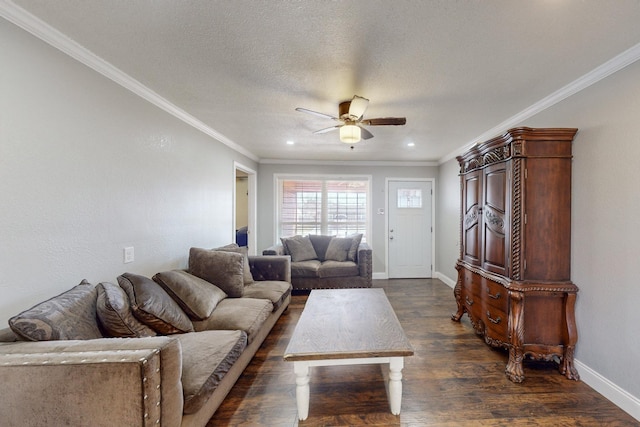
(338,249)
(299,247)
(246,314)
(68,316)
(195,296)
(355,244)
(320,244)
(305,268)
(223,269)
(274,290)
(115,315)
(338,269)
(247,278)
(153,306)
(206,357)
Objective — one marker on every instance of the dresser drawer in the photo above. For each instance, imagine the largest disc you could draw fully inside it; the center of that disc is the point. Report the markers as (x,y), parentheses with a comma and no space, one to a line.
(495,321)
(467,290)
(495,296)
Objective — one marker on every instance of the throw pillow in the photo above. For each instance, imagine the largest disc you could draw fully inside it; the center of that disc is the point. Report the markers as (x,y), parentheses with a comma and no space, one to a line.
(115,316)
(338,249)
(300,248)
(153,306)
(353,251)
(223,269)
(68,316)
(247,277)
(320,244)
(283,240)
(195,296)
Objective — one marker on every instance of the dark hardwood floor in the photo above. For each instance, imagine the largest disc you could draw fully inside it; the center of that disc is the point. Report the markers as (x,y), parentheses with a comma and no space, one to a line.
(454,379)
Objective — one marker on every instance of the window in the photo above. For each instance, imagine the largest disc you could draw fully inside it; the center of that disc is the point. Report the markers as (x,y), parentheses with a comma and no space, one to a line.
(329,206)
(409,198)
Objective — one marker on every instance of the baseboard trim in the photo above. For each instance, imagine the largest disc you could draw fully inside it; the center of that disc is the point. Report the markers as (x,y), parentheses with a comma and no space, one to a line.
(447,281)
(380,276)
(620,397)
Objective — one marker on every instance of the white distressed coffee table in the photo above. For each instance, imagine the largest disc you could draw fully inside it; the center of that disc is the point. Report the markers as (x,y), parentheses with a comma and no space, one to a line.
(348,327)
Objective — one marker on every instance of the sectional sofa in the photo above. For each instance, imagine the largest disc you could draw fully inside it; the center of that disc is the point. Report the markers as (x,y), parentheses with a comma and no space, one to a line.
(143,352)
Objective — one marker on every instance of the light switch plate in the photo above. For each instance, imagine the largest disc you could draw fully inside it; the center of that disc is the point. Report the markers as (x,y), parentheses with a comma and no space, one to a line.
(128,254)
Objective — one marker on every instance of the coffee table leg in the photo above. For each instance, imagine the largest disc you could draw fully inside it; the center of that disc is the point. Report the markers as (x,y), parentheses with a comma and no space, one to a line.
(395,384)
(301,369)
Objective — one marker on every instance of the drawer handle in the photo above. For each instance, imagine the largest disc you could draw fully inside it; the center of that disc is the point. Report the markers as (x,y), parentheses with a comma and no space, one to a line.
(492,320)
(469,301)
(496,296)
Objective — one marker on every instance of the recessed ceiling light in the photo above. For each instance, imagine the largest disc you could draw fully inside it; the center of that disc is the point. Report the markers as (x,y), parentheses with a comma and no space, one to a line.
(411,144)
(290,142)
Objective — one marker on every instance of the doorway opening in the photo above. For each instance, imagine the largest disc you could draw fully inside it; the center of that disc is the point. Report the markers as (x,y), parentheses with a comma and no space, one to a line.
(244,207)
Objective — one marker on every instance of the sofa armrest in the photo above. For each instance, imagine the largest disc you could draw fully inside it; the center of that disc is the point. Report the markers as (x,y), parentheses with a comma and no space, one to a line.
(101,382)
(274,250)
(272,267)
(365,260)
(7,335)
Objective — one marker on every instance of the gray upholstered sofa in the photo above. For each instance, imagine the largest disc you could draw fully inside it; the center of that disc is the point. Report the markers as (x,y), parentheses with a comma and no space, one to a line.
(325,262)
(187,342)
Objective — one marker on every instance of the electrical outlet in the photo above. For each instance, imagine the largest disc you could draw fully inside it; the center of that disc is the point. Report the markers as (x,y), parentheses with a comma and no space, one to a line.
(128,254)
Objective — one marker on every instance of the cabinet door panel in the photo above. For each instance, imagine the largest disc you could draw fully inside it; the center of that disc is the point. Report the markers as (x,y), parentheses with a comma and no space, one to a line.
(471,218)
(494,227)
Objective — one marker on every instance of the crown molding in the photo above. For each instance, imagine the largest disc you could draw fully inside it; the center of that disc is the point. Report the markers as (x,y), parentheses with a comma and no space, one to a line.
(344,162)
(615,64)
(40,29)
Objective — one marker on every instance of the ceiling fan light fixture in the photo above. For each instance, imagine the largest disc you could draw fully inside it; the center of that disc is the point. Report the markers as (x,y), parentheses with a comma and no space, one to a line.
(350,134)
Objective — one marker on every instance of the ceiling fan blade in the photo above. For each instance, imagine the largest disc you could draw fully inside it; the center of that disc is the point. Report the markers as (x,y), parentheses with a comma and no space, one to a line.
(315,113)
(385,121)
(358,107)
(365,134)
(325,130)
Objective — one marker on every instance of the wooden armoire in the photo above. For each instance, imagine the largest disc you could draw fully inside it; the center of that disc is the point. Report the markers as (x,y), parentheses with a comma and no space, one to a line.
(515,246)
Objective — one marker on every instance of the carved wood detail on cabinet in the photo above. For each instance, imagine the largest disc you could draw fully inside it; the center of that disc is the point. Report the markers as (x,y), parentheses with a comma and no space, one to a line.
(515,231)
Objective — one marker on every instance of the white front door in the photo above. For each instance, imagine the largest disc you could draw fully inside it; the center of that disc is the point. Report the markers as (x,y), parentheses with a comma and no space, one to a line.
(410,229)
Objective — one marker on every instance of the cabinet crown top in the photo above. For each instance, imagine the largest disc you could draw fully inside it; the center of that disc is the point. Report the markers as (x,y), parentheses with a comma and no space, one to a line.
(519,142)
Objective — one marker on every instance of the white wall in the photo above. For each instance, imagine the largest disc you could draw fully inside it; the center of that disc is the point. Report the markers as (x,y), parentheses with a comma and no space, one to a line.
(605,230)
(448,216)
(87,168)
(266,198)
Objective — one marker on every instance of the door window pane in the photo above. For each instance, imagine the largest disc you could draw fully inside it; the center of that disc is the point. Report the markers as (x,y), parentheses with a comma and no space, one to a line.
(409,198)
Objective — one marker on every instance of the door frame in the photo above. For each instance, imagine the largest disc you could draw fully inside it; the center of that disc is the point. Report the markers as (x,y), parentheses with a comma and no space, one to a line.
(386,222)
(252,236)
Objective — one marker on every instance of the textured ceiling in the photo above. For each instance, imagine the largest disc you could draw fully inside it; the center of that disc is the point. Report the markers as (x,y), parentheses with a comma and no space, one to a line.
(455,69)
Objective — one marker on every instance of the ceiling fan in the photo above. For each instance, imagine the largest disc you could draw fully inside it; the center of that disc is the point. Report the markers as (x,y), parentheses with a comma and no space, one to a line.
(351,113)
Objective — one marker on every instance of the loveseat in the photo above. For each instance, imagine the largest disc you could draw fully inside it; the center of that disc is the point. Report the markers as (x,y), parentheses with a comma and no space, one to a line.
(326,262)
(162,351)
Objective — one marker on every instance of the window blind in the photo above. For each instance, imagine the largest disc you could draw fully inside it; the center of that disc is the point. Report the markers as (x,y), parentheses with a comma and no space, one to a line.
(323,206)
